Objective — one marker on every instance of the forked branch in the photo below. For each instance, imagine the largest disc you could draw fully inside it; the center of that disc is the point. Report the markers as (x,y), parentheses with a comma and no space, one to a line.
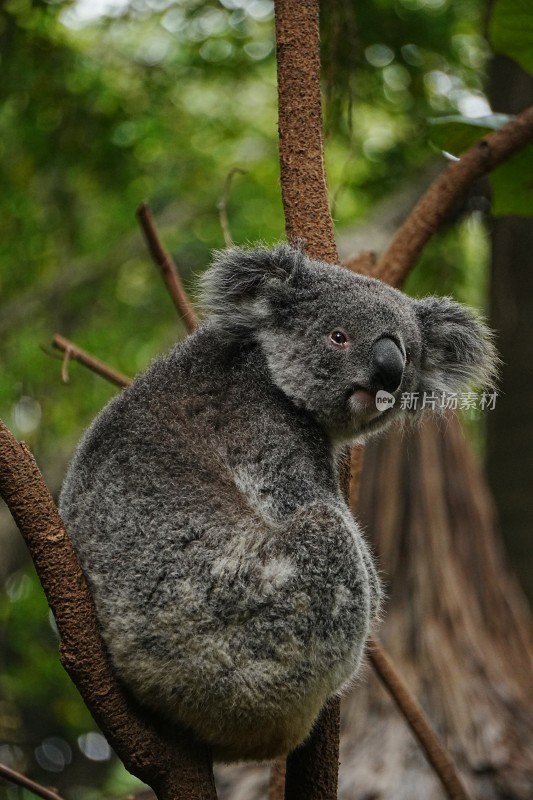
(72,351)
(222,205)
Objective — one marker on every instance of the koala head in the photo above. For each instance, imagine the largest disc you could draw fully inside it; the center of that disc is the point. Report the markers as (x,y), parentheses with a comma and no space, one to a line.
(333,339)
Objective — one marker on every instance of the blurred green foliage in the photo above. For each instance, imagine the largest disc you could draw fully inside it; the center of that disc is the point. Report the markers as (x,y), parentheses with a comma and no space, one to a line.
(105,104)
(511,30)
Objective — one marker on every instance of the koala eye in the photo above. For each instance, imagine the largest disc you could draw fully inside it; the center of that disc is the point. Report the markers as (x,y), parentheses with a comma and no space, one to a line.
(407,355)
(339,339)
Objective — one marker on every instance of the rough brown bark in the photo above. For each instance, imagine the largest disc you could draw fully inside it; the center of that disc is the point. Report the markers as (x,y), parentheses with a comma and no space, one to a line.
(170,762)
(313,768)
(303,182)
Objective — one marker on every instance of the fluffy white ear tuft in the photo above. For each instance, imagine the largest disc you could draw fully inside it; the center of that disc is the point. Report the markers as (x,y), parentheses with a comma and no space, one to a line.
(243,287)
(458,348)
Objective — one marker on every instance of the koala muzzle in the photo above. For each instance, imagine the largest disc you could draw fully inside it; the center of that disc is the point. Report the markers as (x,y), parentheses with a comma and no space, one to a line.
(387,365)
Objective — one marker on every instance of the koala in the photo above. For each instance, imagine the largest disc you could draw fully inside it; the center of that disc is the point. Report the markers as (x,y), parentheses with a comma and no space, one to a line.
(233,588)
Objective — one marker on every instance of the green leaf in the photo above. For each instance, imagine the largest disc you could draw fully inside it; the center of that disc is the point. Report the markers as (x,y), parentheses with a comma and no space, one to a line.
(455,134)
(512,185)
(511,30)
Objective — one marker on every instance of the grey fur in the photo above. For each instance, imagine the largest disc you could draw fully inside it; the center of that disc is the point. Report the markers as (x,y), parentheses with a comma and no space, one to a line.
(233,587)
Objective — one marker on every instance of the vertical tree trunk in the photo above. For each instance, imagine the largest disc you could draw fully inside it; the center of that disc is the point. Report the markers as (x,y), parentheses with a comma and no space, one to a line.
(510,425)
(312,769)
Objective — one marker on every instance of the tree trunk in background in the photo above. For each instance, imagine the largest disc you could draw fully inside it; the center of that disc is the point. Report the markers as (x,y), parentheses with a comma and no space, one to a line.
(510,425)
(456,625)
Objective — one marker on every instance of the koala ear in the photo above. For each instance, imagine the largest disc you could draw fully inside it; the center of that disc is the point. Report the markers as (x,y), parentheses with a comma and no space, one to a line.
(457,347)
(243,288)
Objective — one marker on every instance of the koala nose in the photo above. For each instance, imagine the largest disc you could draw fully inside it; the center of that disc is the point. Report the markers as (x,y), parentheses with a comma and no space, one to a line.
(387,365)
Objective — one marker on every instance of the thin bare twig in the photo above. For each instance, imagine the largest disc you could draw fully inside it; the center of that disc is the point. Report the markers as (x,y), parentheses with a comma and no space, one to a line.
(167,266)
(222,205)
(72,351)
(446,190)
(436,753)
(64,364)
(17,778)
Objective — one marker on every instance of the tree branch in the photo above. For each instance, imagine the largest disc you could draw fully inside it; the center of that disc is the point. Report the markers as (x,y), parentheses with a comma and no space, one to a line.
(444,193)
(172,764)
(437,755)
(17,778)
(73,351)
(167,267)
(222,205)
(303,180)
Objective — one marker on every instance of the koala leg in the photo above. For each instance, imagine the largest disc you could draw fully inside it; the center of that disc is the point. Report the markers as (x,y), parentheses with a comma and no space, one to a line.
(293,611)
(248,631)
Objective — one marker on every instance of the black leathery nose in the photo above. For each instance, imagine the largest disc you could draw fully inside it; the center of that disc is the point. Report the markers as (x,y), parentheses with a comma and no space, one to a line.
(388,362)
